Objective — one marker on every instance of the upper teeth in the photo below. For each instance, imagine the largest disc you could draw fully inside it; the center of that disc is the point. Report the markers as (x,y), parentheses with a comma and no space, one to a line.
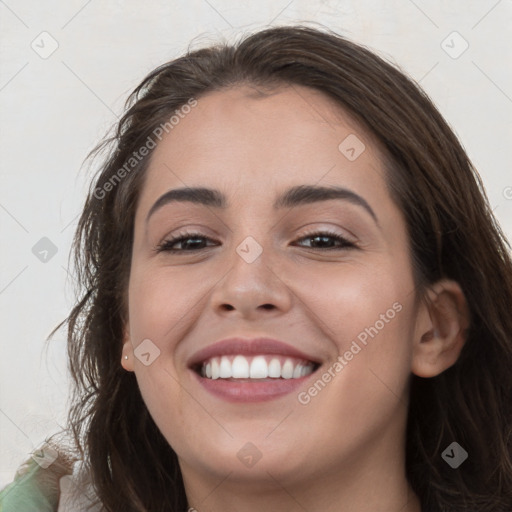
(256,367)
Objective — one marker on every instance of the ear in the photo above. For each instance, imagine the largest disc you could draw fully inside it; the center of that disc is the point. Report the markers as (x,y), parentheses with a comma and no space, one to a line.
(127,355)
(441,329)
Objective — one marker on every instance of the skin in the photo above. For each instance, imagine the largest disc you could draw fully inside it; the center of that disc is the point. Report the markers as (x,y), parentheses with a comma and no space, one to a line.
(344,449)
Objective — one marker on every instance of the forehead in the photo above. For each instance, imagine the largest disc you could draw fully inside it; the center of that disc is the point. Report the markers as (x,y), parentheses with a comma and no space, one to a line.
(245,139)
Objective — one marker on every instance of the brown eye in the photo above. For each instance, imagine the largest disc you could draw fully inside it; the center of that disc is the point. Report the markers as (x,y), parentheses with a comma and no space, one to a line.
(324,240)
(189,242)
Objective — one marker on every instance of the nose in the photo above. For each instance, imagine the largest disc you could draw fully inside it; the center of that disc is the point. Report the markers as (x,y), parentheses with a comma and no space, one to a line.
(250,289)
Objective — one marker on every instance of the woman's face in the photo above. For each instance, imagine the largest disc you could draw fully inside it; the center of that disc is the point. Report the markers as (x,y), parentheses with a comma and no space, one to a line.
(327,276)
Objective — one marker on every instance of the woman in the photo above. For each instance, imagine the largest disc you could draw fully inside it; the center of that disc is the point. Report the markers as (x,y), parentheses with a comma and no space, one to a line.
(296,296)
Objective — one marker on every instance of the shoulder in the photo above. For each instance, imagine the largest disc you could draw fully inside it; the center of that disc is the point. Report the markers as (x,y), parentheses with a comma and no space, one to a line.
(49,482)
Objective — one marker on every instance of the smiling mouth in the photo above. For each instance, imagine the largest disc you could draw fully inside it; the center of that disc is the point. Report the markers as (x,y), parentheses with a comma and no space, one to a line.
(241,370)
(255,368)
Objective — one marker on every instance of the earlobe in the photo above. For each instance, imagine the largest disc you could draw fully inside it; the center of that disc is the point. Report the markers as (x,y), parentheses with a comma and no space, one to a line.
(441,331)
(127,353)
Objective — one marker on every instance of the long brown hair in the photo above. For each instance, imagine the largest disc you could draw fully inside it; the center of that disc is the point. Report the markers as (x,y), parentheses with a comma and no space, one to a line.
(452,231)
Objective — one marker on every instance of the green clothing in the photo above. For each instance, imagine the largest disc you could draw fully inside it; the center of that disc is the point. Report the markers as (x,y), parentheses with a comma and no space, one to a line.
(25,493)
(49,482)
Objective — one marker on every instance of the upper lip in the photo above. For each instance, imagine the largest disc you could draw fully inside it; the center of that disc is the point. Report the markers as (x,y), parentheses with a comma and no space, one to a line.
(245,346)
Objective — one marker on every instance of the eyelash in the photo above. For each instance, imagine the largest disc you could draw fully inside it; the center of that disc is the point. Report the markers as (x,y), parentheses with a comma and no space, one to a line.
(166,245)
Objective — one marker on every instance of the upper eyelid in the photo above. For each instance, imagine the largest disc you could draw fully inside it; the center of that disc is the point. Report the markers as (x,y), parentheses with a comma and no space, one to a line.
(305,230)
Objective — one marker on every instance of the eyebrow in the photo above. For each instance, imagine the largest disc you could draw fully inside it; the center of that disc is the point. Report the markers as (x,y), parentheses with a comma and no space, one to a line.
(294,196)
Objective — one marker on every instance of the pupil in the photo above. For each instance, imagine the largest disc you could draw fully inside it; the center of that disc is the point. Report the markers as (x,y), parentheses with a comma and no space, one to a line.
(323,239)
(196,242)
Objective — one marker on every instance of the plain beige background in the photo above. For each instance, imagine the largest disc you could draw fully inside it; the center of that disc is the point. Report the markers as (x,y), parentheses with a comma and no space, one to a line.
(54,107)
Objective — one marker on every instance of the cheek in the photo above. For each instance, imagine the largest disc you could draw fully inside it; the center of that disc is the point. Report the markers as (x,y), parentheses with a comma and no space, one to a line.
(158,311)
(368,313)
(160,305)
(352,301)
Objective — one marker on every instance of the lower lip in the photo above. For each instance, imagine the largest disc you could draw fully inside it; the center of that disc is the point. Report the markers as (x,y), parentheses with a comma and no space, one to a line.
(253,391)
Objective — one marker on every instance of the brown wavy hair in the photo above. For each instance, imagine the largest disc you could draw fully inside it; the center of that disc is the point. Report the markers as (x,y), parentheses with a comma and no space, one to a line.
(452,231)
